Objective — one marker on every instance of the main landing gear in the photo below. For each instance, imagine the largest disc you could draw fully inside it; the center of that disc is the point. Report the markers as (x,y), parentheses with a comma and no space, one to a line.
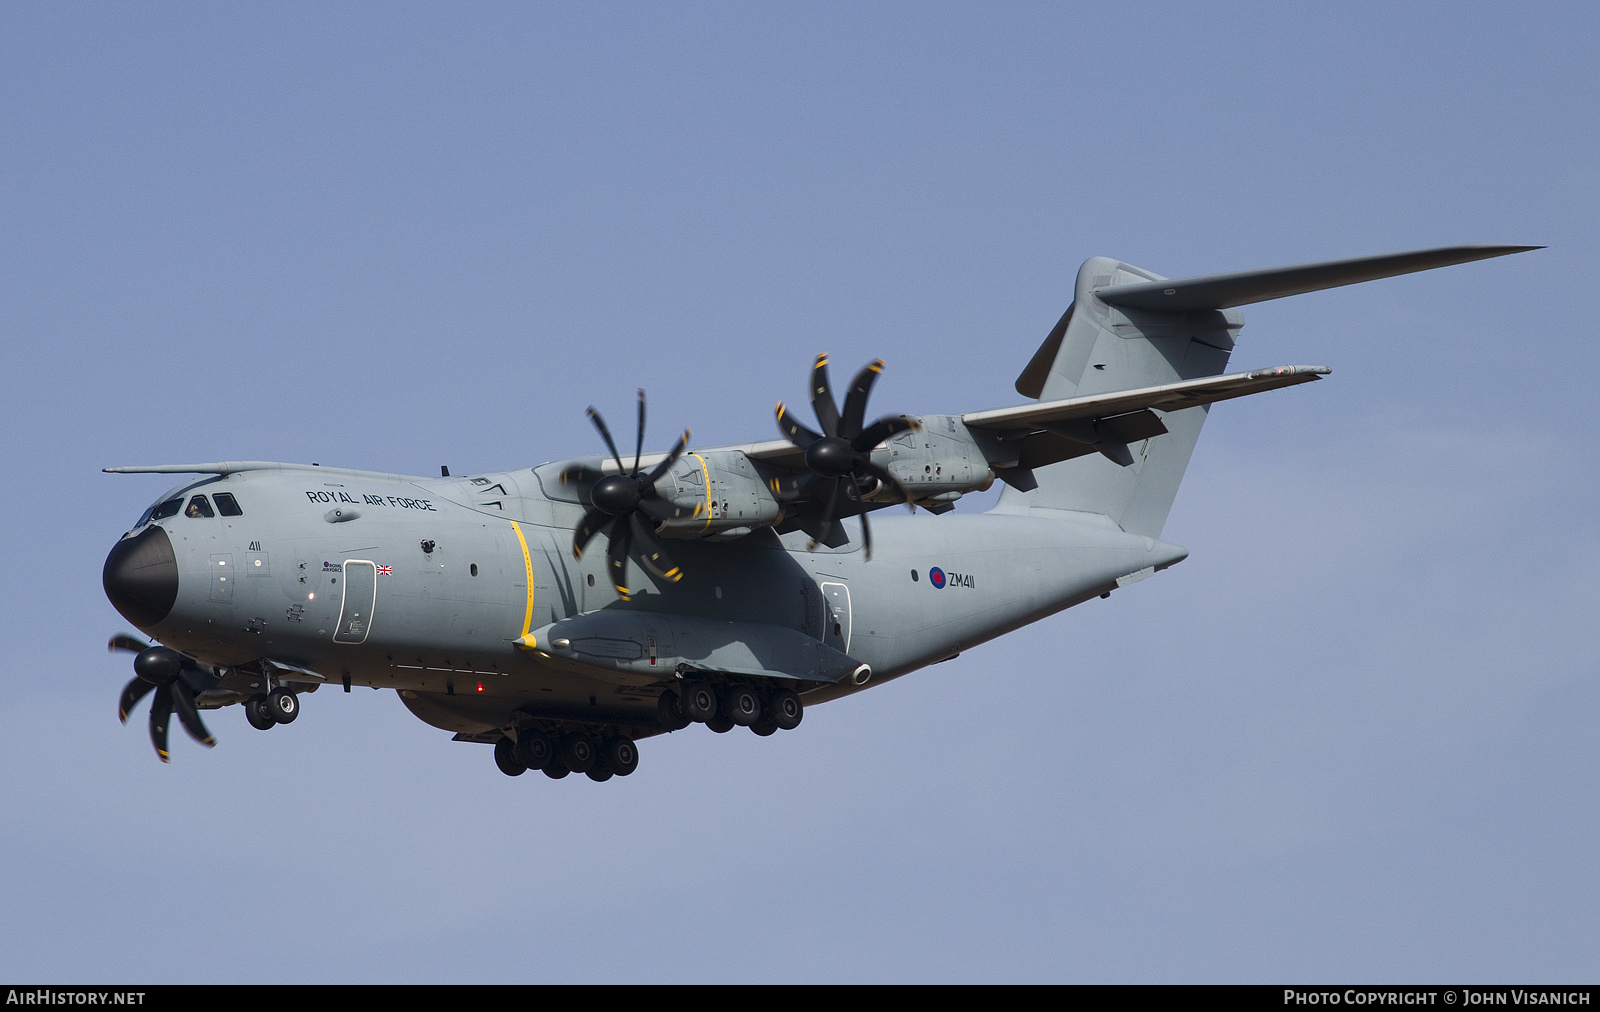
(600,757)
(724,707)
(269,709)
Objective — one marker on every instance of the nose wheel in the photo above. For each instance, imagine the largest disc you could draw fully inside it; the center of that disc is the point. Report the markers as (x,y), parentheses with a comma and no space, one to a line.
(255,711)
(269,709)
(283,705)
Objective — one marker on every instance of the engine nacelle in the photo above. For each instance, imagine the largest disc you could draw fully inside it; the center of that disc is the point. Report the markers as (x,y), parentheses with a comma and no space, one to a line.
(732,497)
(936,463)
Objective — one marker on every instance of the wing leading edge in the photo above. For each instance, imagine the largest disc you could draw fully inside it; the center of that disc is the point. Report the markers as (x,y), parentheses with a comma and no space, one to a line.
(1004,422)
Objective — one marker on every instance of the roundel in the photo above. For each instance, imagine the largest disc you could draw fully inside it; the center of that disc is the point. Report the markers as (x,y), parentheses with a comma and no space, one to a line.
(936,577)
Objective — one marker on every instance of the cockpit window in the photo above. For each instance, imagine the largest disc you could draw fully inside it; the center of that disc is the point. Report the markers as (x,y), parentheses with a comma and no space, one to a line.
(167,509)
(227,505)
(199,507)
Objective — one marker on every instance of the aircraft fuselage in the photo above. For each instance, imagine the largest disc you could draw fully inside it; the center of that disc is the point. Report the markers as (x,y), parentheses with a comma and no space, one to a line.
(437,588)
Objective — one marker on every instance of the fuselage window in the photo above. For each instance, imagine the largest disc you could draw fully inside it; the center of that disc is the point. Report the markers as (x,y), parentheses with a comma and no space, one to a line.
(167,509)
(199,507)
(227,505)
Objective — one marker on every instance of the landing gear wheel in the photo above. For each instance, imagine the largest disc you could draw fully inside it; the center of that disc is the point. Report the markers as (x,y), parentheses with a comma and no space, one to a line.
(786,710)
(765,726)
(621,756)
(669,710)
(578,752)
(720,724)
(534,749)
(505,760)
(255,711)
(600,776)
(556,770)
(699,701)
(743,704)
(283,705)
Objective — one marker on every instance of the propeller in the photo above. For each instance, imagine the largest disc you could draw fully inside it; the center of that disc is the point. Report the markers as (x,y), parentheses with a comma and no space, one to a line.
(158,668)
(626,506)
(840,457)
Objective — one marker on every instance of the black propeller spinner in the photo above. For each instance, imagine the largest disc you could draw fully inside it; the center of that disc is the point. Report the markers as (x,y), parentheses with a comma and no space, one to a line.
(616,502)
(840,458)
(160,668)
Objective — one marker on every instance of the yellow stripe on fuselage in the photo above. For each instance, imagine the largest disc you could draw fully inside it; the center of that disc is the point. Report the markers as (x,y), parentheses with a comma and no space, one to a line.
(527,566)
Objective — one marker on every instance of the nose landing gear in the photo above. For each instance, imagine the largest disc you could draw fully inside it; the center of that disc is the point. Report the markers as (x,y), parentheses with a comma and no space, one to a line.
(267,710)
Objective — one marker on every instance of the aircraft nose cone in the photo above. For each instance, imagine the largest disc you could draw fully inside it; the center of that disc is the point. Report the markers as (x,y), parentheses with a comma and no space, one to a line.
(141,577)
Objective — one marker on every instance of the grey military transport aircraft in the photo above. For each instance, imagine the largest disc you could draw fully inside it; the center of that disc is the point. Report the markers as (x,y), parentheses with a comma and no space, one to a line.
(737,585)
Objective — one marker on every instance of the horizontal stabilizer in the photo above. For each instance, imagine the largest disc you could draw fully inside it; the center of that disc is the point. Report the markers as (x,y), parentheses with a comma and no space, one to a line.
(1168,397)
(1222,291)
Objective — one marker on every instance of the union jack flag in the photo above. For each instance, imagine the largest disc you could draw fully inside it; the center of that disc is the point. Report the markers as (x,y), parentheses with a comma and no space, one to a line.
(384,571)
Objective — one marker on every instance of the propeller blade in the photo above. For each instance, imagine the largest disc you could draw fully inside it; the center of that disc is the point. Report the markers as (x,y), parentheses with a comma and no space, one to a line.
(671,458)
(793,430)
(660,510)
(591,524)
(131,694)
(882,429)
(868,467)
(822,397)
(189,714)
(160,716)
(605,433)
(855,402)
(651,555)
(617,559)
(866,537)
(833,538)
(827,522)
(122,641)
(581,474)
(789,487)
(638,448)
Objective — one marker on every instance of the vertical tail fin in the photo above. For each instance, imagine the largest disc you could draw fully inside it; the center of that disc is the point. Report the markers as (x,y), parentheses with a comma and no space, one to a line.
(1101,348)
(1128,328)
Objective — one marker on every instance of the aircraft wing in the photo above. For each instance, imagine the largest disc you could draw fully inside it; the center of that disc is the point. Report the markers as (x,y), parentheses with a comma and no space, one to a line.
(774,451)
(1168,397)
(1058,417)
(1057,430)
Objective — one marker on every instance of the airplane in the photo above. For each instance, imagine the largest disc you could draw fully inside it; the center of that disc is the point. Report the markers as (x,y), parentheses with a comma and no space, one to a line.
(563,612)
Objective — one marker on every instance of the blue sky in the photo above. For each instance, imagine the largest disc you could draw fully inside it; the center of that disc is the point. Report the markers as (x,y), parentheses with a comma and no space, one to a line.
(1353,736)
